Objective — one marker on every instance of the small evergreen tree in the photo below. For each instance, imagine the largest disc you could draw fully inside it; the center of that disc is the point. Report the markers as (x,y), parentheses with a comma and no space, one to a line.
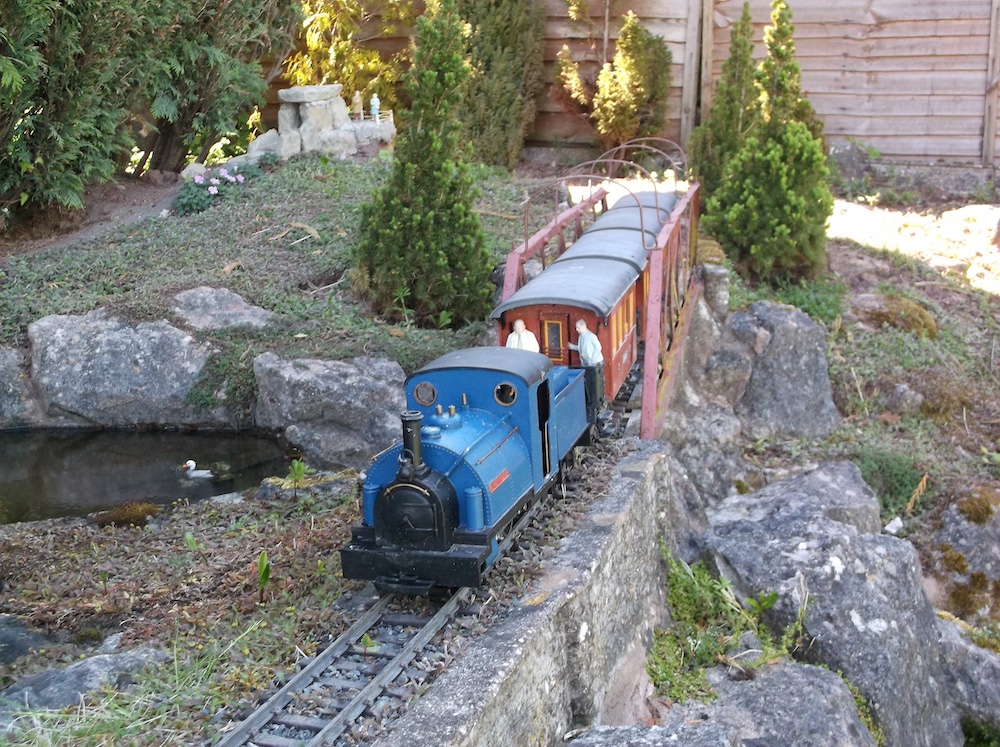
(422,253)
(779,78)
(733,114)
(771,209)
(505,49)
(629,97)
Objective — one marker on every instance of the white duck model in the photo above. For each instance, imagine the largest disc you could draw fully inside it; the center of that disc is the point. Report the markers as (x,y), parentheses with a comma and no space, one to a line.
(190,471)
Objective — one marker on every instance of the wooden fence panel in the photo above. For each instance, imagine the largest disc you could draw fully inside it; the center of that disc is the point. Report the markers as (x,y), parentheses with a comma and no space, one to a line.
(915,79)
(910,78)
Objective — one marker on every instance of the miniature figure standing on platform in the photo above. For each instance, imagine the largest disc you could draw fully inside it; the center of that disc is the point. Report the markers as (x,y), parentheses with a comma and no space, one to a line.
(522,338)
(588,345)
(357,106)
(375,105)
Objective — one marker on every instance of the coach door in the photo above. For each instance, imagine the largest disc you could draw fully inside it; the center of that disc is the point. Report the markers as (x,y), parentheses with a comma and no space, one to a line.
(555,337)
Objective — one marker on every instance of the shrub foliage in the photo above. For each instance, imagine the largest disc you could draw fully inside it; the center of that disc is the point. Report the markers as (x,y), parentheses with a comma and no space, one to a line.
(422,253)
(770,210)
(336,35)
(733,114)
(66,74)
(207,72)
(74,74)
(629,97)
(499,102)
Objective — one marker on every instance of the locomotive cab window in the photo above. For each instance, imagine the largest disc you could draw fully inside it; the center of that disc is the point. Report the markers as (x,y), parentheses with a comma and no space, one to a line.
(505,394)
(425,393)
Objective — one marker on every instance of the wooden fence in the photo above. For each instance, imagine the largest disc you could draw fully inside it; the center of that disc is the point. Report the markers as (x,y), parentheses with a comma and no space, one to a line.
(917,80)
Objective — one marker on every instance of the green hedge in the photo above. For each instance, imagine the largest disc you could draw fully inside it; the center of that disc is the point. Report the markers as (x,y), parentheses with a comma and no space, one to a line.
(73,73)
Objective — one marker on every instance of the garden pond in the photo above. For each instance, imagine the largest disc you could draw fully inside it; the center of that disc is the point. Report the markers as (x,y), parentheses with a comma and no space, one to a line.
(46,474)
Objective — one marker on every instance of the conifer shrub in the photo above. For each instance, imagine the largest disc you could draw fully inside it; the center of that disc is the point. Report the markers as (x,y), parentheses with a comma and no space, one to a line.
(74,73)
(208,73)
(770,212)
(421,254)
(499,102)
(629,97)
(734,112)
(66,72)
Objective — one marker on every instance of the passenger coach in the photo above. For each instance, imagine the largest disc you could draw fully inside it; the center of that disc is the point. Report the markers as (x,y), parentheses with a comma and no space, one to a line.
(602,279)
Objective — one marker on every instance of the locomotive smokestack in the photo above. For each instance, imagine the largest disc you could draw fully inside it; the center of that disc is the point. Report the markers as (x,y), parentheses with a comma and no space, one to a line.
(411,438)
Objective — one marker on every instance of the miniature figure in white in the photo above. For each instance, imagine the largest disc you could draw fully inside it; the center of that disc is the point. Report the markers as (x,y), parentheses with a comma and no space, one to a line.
(588,345)
(375,105)
(522,338)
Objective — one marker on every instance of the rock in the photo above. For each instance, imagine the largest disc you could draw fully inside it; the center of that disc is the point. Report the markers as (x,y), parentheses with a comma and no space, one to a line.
(978,541)
(288,118)
(269,142)
(316,117)
(16,404)
(793,361)
(308,94)
(717,289)
(320,402)
(95,370)
(816,708)
(64,688)
(291,144)
(726,374)
(160,178)
(16,639)
(218,308)
(707,443)
(971,675)
(857,593)
(193,169)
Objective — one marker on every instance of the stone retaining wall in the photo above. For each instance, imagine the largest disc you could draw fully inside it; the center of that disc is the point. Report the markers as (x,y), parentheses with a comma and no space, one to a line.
(552,664)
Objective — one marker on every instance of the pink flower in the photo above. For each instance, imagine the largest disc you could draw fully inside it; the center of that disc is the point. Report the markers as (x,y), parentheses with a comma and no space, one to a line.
(213,190)
(199,179)
(240,178)
(213,180)
(231,179)
(223,172)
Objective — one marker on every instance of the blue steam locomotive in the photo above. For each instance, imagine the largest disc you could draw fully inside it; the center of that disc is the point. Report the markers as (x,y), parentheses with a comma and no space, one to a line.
(483,441)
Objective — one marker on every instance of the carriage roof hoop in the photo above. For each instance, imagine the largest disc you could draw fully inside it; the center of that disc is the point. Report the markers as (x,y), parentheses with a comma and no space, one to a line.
(656,145)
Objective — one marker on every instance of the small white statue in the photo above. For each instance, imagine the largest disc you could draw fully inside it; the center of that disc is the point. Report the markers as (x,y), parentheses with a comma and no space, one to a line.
(375,106)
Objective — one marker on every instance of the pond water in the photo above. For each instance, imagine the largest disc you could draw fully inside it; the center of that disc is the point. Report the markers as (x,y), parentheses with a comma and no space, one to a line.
(50,473)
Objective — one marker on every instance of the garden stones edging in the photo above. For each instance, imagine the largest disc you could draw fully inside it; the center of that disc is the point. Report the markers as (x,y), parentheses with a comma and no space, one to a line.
(94,370)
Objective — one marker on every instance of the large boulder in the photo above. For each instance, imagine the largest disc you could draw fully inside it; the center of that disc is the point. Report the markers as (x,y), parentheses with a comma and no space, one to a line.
(971,675)
(778,704)
(858,594)
(16,403)
(339,413)
(707,442)
(97,370)
(788,393)
(64,688)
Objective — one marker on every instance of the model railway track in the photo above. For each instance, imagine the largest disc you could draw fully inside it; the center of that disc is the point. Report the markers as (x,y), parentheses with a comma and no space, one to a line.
(324,699)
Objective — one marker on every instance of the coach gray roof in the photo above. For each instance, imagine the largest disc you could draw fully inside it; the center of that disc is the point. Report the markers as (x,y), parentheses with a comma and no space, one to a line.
(594,284)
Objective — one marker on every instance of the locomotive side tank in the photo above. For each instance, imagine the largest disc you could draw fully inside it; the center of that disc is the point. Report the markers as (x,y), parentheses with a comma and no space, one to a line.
(483,439)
